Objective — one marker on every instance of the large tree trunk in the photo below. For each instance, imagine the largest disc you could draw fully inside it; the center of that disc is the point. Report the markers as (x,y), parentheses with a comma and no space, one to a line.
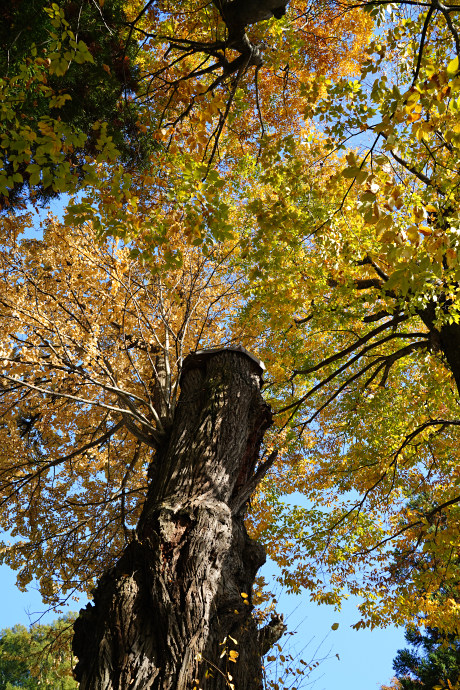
(178,602)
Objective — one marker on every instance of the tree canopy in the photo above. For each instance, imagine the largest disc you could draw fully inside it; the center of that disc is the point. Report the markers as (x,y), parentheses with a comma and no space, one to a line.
(253,219)
(199,89)
(366,257)
(100,338)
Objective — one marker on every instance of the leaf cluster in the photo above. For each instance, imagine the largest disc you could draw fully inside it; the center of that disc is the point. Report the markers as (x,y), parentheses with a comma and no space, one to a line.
(64,70)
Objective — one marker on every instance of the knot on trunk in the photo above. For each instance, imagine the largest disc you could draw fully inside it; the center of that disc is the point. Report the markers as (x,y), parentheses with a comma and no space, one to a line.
(271,633)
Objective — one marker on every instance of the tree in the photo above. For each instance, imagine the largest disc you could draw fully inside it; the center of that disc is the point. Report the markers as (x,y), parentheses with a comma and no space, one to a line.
(84,344)
(65,73)
(363,363)
(113,477)
(36,657)
(432,662)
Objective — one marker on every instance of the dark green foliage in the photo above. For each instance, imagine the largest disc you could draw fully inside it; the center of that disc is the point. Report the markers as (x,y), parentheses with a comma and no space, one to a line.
(100,91)
(432,660)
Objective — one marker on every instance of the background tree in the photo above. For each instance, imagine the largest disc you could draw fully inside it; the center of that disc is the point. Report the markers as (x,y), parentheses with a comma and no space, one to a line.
(431,662)
(37,657)
(66,73)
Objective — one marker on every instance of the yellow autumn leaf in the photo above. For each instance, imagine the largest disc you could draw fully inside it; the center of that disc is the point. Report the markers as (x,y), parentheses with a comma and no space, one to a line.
(452,67)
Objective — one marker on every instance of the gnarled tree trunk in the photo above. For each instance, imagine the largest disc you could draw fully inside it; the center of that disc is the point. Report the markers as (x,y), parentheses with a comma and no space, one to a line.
(180,595)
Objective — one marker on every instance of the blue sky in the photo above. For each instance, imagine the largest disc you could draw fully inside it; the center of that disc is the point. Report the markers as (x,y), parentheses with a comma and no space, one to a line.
(365,657)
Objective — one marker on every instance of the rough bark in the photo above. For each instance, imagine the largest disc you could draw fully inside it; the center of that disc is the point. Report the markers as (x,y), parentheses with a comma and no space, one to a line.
(160,617)
(446,338)
(449,338)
